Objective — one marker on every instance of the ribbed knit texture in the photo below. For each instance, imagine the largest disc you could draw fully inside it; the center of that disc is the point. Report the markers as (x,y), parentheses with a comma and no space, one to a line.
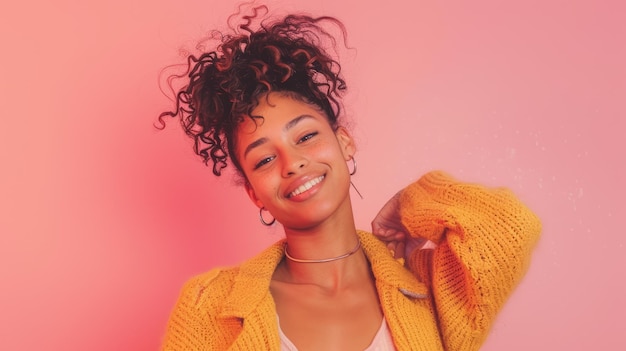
(484,238)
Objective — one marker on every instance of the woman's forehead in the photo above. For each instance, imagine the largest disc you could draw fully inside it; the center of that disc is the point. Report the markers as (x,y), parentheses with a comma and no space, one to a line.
(278,112)
(282,102)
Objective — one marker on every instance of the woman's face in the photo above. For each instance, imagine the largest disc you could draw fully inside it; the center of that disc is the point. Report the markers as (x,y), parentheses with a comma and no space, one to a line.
(294,162)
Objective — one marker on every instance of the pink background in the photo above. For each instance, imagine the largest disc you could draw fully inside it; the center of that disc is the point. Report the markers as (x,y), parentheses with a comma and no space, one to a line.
(103,218)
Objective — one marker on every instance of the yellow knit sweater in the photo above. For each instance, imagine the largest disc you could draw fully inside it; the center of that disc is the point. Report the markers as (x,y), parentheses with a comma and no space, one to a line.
(444,299)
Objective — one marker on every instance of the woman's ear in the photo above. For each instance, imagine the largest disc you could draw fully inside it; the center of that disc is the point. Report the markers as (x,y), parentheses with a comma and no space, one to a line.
(252,195)
(346,142)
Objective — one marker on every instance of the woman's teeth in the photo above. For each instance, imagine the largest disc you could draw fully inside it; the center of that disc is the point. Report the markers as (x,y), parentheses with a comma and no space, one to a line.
(306,186)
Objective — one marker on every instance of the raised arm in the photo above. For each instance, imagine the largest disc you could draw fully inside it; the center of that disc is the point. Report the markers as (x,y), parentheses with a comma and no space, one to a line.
(483,237)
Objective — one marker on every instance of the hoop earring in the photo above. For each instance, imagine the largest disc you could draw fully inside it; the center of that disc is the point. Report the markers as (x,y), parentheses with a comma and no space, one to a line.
(353,173)
(262,220)
(354,166)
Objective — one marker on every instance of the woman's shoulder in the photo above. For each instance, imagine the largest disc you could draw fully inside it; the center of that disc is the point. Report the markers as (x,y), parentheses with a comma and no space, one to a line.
(209,288)
(215,276)
(214,286)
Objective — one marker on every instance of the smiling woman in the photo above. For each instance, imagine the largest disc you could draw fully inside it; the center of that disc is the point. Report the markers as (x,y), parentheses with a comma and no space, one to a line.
(295,163)
(267,100)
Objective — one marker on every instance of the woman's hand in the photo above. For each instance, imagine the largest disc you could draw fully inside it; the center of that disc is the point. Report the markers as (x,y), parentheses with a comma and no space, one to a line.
(388,227)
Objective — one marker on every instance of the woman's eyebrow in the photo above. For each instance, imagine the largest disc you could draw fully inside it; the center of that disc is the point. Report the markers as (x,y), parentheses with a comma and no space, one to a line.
(254,144)
(295,121)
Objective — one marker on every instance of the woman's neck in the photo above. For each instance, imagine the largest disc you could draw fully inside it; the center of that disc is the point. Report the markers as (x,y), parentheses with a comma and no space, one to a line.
(331,239)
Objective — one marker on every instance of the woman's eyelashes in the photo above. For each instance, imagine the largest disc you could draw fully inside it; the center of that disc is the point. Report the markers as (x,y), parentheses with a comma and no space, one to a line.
(307,137)
(268,159)
(263,162)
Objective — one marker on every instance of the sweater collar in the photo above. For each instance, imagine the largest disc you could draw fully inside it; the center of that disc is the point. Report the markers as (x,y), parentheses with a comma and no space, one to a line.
(389,271)
(251,283)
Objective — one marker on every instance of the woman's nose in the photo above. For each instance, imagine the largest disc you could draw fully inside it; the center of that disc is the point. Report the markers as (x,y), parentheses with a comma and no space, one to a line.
(293,162)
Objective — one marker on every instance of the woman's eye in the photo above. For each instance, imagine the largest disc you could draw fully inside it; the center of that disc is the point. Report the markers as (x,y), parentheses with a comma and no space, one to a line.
(307,137)
(263,162)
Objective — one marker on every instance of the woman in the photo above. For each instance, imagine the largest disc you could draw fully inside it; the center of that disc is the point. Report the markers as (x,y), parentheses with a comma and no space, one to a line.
(268,101)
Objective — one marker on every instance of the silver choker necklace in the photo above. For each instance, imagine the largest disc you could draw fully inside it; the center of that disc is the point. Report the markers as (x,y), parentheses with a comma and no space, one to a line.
(356,248)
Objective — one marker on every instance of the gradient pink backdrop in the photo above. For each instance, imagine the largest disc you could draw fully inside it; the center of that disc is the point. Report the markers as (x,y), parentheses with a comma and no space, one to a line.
(103,218)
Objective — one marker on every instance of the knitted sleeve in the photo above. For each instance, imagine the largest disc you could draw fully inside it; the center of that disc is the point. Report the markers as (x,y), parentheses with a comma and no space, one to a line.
(483,239)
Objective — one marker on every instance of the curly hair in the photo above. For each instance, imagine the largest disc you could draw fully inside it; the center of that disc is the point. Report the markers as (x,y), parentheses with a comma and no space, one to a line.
(223,86)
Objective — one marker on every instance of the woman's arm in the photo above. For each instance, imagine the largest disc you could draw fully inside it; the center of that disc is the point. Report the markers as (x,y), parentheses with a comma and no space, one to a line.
(483,239)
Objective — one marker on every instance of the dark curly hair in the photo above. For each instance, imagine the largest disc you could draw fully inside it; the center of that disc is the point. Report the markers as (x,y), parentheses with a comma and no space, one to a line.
(223,86)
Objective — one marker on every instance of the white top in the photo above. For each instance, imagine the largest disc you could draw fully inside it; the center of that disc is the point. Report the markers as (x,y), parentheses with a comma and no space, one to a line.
(382,340)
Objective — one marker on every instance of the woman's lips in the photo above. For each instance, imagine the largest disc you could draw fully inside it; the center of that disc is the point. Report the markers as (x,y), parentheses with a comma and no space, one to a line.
(306,186)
